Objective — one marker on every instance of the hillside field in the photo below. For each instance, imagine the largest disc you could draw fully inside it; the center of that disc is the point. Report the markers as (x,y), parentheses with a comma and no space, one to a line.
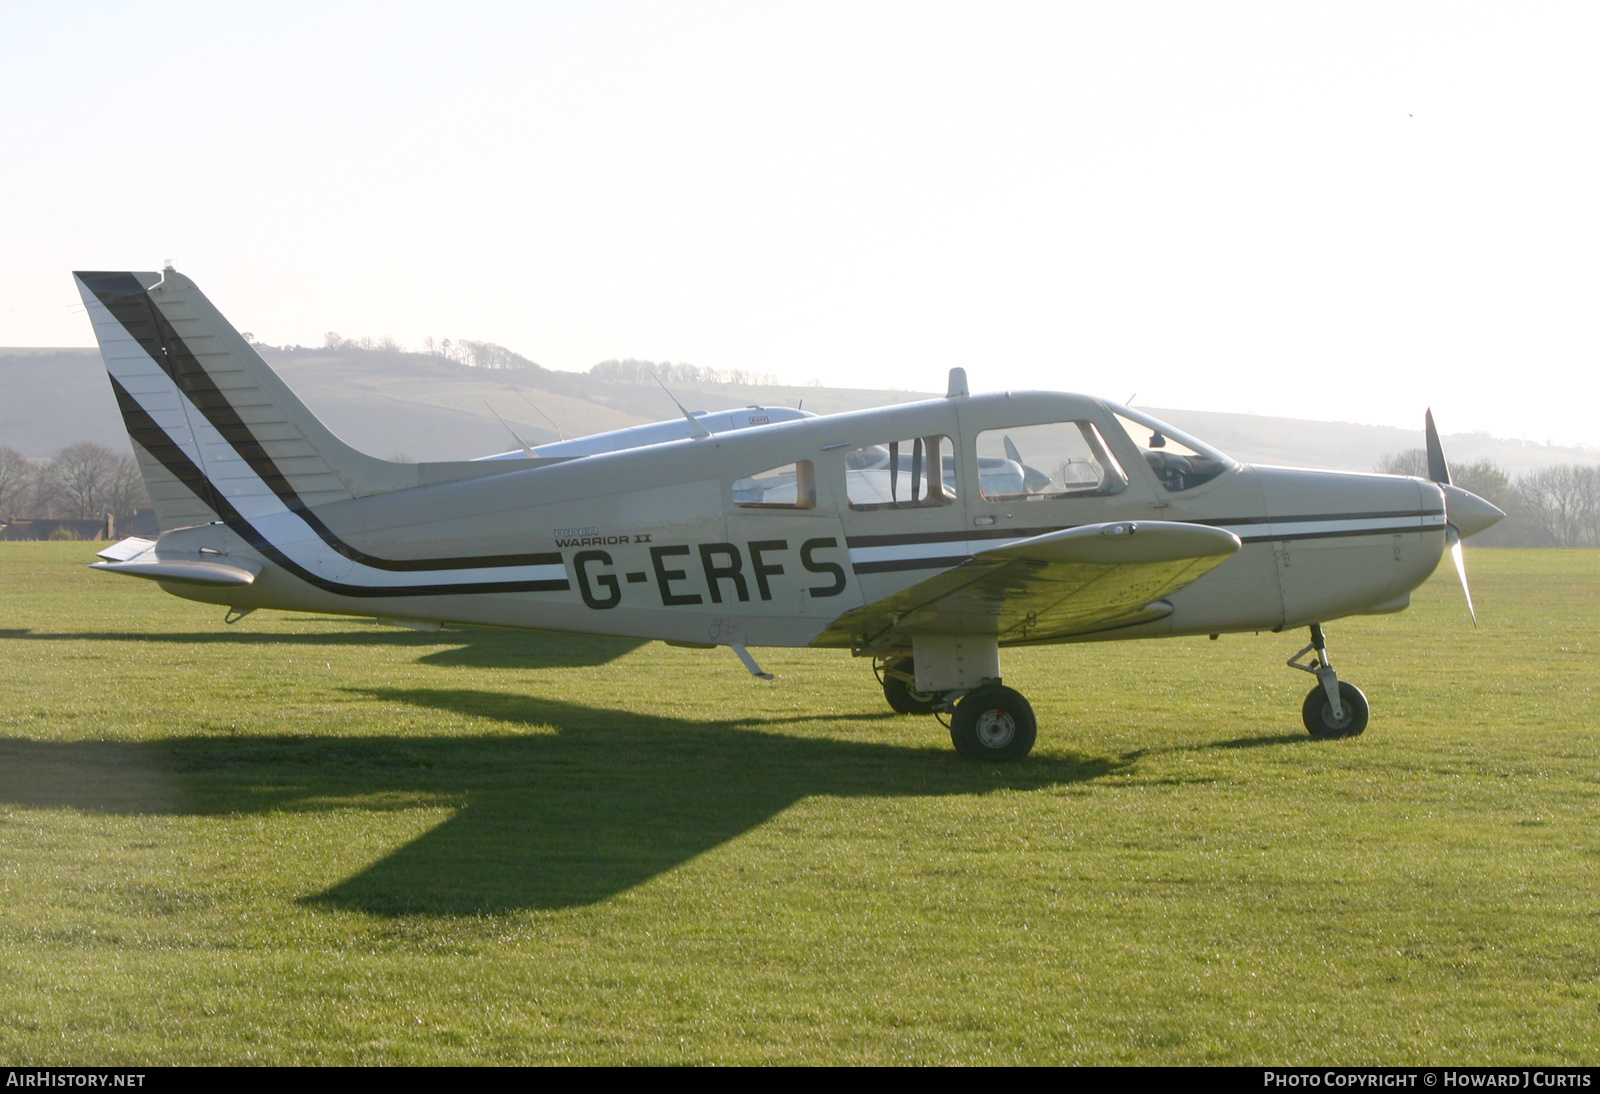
(303,839)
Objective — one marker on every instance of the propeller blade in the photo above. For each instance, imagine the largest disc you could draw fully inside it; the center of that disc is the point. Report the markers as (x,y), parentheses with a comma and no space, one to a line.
(1462,508)
(1033,480)
(1461,567)
(1438,470)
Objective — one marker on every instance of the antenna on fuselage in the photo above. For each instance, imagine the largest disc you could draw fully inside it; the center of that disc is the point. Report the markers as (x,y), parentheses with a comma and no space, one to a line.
(698,430)
(511,431)
(958,383)
(559,432)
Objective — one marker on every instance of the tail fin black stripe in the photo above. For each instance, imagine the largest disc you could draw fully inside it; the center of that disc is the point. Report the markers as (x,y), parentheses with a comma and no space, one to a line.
(154,440)
(148,434)
(130,304)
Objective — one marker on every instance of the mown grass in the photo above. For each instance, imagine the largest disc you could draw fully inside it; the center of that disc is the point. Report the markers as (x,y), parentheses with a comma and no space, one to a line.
(304,839)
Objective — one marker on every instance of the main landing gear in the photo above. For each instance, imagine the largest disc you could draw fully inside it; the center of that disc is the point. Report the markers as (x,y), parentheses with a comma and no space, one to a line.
(960,676)
(1334,708)
(988,721)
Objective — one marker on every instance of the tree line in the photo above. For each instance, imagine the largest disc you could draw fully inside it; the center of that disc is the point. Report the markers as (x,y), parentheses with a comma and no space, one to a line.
(83,481)
(1554,506)
(633,371)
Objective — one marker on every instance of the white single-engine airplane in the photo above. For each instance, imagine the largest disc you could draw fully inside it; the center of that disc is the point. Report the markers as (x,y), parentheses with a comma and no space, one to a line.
(925,536)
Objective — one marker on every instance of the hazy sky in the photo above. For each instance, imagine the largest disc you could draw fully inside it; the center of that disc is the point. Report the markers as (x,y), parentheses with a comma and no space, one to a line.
(1339,211)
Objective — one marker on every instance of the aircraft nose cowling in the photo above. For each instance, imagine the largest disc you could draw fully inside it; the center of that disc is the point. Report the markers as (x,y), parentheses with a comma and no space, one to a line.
(1468,512)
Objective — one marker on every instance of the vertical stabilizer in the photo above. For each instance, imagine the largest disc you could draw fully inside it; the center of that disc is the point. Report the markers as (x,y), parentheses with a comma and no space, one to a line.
(214,428)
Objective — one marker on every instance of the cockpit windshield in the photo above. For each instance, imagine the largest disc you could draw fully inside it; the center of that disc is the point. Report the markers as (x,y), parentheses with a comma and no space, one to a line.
(1179,461)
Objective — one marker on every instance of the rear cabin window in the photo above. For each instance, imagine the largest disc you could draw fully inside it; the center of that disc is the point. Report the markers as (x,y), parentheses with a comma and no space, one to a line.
(909,474)
(1054,460)
(788,486)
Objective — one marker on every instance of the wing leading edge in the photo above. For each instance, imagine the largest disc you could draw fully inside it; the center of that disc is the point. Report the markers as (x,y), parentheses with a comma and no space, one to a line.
(1049,587)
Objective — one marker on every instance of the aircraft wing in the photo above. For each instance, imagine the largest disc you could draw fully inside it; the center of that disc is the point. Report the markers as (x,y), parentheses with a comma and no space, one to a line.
(1048,587)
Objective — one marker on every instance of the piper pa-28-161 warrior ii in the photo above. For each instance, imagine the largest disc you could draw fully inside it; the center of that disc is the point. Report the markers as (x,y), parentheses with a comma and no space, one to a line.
(925,536)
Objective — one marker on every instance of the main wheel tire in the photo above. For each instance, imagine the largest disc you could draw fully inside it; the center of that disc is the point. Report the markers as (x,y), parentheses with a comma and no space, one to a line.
(993,724)
(901,694)
(1317,712)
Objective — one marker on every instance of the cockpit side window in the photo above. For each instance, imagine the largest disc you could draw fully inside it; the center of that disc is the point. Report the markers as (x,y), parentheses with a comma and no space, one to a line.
(1054,460)
(788,486)
(909,474)
(1179,461)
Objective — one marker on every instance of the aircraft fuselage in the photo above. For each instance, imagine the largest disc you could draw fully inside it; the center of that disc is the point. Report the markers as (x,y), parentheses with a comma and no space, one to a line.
(653,542)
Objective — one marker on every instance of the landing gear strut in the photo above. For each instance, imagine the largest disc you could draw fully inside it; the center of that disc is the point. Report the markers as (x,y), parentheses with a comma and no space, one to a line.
(898,675)
(960,676)
(1334,708)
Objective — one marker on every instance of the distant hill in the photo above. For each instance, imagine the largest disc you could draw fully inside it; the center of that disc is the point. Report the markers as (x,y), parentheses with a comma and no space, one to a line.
(427,408)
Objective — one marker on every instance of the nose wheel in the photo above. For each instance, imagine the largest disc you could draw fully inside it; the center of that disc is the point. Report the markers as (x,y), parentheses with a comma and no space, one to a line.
(1334,708)
(1317,712)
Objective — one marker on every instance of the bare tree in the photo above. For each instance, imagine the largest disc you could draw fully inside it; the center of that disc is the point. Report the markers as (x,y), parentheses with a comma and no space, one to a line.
(88,480)
(1413,461)
(78,478)
(16,481)
(1562,503)
(125,491)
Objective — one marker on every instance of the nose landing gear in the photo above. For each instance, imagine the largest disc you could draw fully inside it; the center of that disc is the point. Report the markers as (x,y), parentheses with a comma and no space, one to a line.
(1334,708)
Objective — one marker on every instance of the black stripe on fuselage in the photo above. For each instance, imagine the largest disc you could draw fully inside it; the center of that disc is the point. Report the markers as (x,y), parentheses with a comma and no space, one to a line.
(919,538)
(1345,533)
(153,439)
(907,539)
(131,305)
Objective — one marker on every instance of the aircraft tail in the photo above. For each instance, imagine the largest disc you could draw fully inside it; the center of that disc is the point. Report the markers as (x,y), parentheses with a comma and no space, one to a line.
(216,432)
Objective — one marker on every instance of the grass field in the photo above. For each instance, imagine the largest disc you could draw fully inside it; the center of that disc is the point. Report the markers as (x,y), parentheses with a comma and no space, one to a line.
(313,840)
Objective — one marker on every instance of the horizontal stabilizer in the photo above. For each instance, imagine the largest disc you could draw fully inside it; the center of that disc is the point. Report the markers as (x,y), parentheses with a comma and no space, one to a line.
(125,549)
(187,571)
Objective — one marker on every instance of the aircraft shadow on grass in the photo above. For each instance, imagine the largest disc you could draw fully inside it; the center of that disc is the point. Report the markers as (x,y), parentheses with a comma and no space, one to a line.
(463,647)
(584,804)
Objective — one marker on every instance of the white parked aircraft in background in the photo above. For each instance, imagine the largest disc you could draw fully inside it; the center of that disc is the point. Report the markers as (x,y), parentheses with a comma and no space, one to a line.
(925,536)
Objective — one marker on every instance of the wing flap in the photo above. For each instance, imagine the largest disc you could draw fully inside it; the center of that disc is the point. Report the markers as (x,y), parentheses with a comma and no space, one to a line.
(1053,586)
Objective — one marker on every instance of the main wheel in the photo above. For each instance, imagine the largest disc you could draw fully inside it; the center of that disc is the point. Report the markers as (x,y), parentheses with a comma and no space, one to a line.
(901,692)
(1317,712)
(994,724)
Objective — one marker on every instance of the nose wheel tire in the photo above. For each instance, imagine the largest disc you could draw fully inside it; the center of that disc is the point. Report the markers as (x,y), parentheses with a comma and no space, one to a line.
(993,724)
(1318,712)
(899,689)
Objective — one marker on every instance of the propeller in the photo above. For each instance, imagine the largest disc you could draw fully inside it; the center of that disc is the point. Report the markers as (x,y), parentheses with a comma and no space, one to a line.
(1465,512)
(1033,480)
